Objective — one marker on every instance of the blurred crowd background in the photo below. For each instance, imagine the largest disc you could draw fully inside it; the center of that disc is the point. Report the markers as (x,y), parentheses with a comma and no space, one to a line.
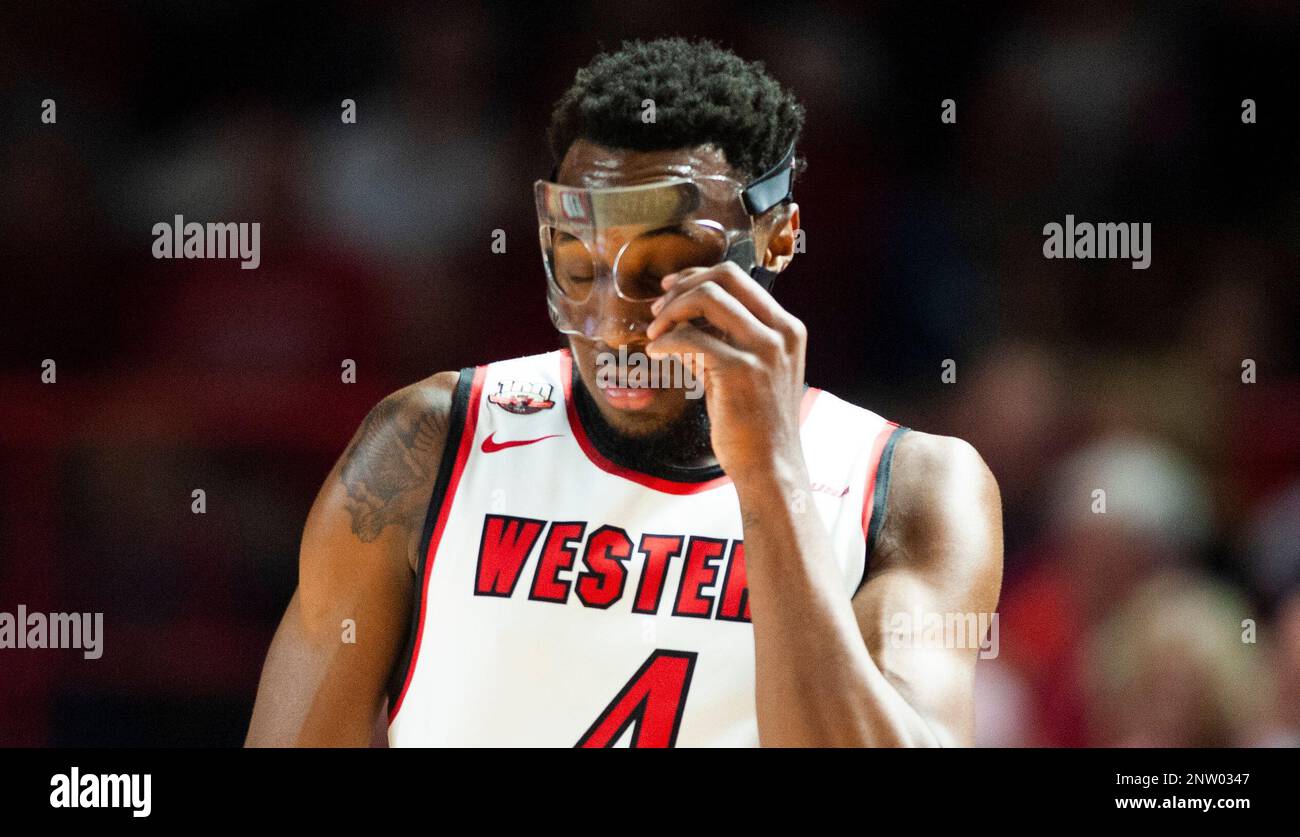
(924,243)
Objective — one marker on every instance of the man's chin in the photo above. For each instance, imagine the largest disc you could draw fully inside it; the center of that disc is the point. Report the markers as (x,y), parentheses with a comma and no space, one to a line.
(632,412)
(674,430)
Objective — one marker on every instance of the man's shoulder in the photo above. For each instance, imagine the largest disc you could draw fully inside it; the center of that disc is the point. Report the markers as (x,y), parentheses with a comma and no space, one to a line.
(431,393)
(424,400)
(389,467)
(939,459)
(928,454)
(936,481)
(942,492)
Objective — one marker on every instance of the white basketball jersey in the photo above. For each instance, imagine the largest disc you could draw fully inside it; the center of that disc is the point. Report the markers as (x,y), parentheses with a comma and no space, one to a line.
(567,600)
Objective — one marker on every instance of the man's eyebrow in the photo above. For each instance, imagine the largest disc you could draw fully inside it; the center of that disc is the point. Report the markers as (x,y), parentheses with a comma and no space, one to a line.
(680,229)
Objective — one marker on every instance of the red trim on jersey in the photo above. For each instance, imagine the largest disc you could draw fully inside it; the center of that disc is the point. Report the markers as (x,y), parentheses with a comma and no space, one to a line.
(658,483)
(466,444)
(868,501)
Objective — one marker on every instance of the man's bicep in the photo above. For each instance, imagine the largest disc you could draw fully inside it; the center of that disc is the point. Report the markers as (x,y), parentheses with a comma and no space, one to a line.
(326,674)
(932,585)
(324,678)
(936,680)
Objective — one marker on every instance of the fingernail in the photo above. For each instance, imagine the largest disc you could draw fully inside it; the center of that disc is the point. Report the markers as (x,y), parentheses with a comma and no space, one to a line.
(656,305)
(668,280)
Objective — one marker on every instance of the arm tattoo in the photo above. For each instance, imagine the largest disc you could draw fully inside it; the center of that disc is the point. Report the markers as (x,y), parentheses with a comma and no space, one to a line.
(396,455)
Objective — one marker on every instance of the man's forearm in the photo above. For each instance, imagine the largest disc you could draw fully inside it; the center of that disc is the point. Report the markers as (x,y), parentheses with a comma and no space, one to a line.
(816,683)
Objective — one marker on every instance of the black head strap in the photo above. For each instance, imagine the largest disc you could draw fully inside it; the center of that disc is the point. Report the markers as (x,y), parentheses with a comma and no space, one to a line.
(774,187)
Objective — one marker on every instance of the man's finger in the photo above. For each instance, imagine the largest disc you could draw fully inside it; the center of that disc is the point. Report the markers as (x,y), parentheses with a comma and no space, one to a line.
(737,283)
(710,301)
(712,352)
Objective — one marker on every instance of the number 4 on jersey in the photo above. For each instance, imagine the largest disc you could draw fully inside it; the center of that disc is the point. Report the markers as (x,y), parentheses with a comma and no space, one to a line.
(652,701)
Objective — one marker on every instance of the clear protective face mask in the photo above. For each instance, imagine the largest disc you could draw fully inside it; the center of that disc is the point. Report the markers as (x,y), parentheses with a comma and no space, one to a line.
(606,250)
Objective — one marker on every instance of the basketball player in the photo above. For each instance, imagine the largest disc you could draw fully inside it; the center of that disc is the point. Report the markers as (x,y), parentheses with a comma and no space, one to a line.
(529,553)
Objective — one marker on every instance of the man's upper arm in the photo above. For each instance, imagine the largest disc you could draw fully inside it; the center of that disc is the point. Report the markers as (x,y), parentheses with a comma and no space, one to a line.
(356,563)
(939,556)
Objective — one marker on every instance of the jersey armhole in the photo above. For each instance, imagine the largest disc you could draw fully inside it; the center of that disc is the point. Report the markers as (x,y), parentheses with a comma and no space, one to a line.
(455,431)
(877,495)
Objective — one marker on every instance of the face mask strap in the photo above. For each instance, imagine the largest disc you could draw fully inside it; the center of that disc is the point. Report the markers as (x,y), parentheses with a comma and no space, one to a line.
(774,187)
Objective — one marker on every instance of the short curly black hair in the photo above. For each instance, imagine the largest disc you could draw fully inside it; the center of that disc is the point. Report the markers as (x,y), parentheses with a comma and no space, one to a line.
(702,93)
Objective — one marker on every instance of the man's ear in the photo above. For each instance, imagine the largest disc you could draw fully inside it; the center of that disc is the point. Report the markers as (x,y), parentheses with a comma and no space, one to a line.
(781,228)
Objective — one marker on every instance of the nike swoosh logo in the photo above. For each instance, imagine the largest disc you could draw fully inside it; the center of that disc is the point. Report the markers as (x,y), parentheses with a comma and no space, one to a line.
(490,446)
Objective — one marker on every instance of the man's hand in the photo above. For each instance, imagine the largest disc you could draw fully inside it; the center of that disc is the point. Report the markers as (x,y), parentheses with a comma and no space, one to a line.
(752,373)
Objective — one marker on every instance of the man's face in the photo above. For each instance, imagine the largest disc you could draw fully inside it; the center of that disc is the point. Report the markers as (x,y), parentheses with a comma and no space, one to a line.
(647,411)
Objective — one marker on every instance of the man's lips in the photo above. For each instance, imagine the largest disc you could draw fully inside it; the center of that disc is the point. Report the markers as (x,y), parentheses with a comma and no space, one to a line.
(628,398)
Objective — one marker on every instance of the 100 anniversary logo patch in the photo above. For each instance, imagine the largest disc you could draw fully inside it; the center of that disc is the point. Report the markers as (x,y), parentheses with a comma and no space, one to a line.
(523,398)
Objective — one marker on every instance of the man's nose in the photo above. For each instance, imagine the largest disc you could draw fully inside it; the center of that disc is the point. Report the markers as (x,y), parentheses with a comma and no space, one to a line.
(614,320)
